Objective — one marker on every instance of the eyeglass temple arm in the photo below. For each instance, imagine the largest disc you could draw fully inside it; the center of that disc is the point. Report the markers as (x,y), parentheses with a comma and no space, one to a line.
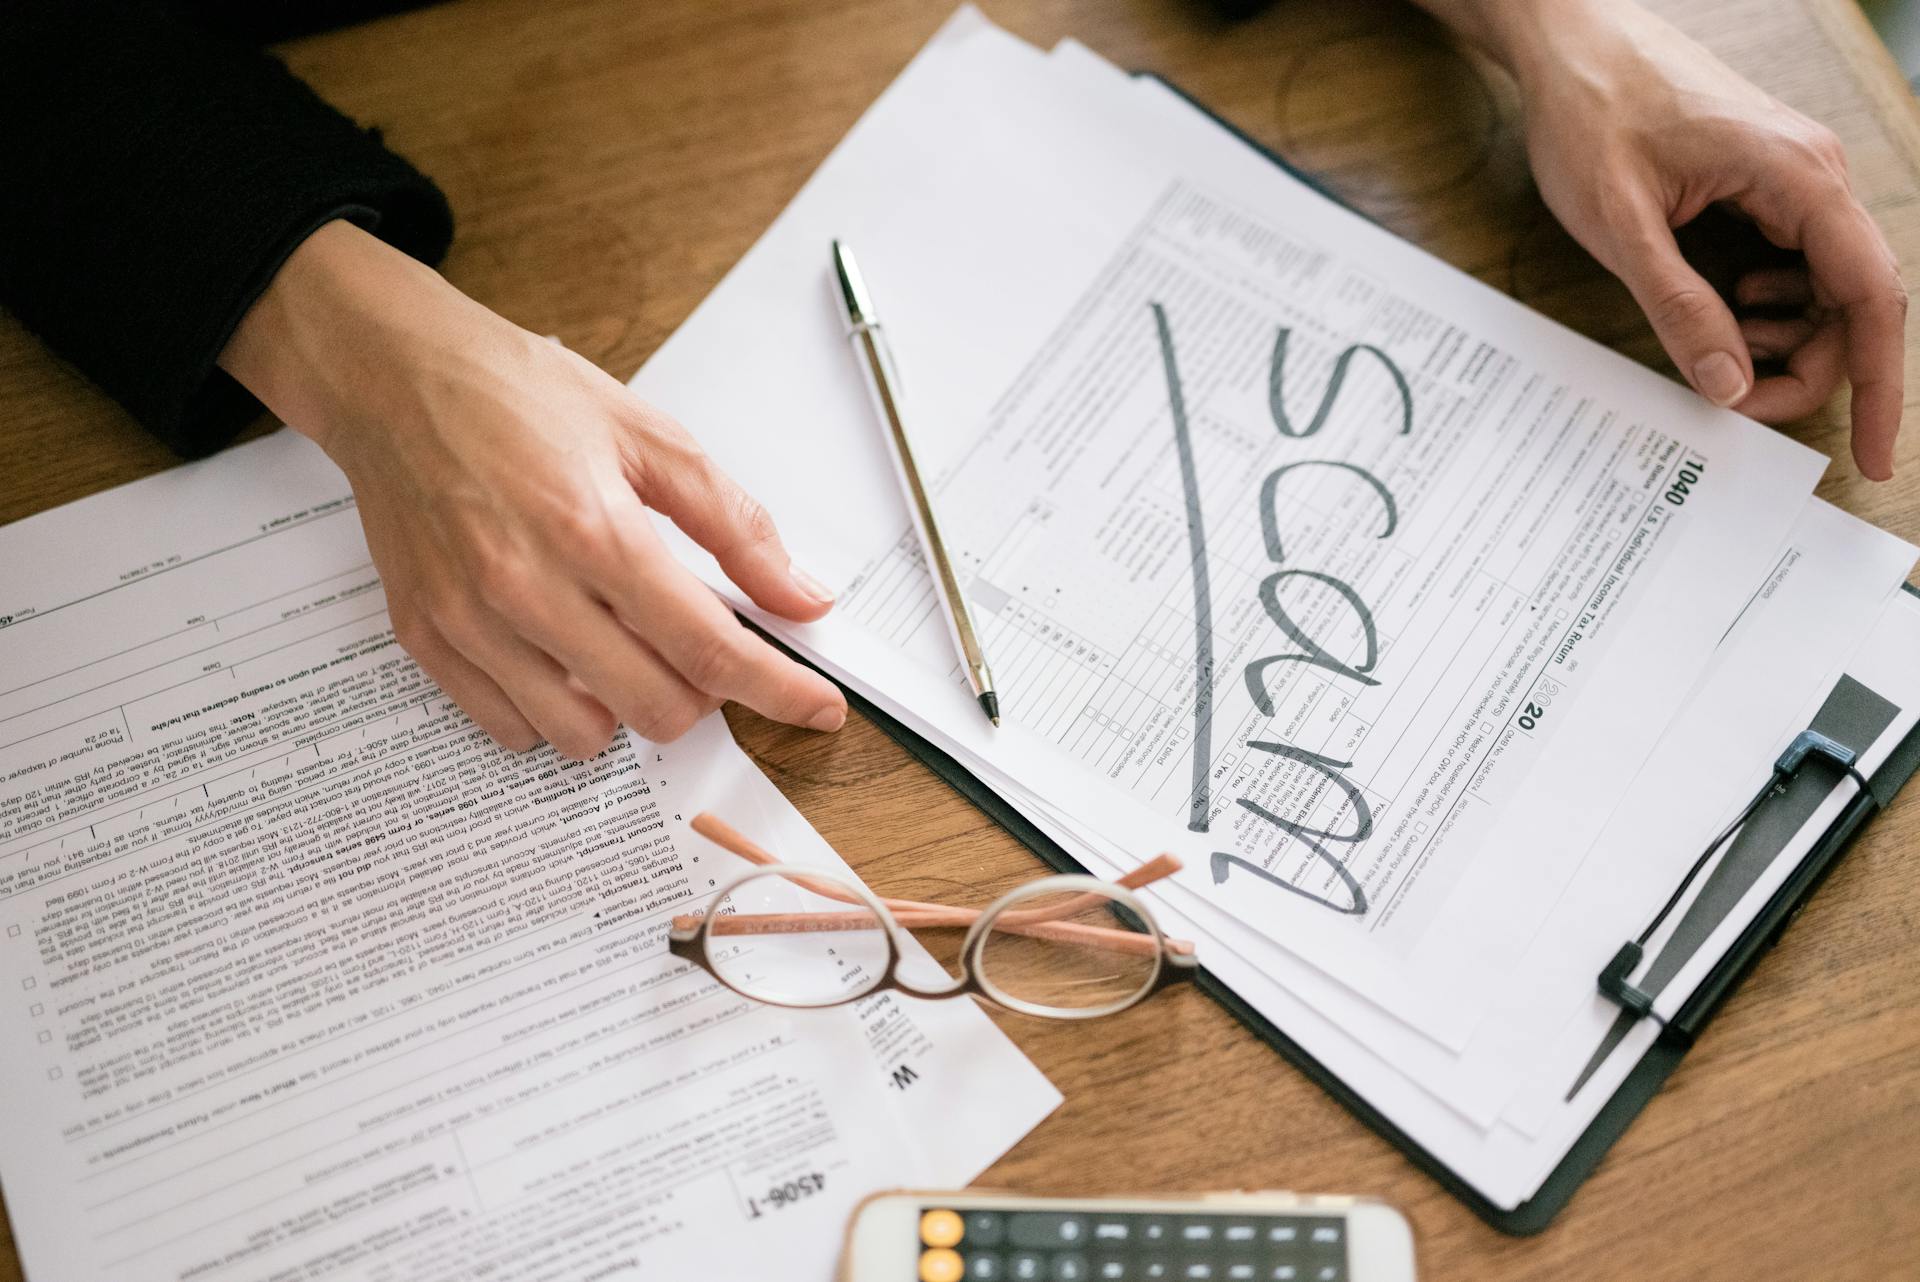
(730,839)
(912,913)
(734,842)
(1153,870)
(1125,941)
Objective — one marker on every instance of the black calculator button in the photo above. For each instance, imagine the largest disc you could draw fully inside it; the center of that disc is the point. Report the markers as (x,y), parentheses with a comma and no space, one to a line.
(1198,1234)
(1155,1268)
(1240,1234)
(1107,1232)
(1329,1273)
(1241,1271)
(1199,1271)
(1108,1267)
(986,1268)
(984,1228)
(1283,1234)
(1036,1230)
(1284,1273)
(1027,1266)
(1071,1266)
(1155,1231)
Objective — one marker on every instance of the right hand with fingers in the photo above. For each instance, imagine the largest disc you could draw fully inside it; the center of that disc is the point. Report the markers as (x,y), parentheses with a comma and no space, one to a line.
(504,484)
(1633,130)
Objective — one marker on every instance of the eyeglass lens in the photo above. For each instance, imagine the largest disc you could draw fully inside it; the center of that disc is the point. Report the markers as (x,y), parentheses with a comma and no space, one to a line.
(841,954)
(1026,956)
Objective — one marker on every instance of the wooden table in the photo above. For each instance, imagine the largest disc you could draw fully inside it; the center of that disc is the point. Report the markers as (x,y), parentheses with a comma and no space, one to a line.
(609,161)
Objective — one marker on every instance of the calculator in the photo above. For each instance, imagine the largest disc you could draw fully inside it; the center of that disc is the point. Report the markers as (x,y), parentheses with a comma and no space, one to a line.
(1230,1237)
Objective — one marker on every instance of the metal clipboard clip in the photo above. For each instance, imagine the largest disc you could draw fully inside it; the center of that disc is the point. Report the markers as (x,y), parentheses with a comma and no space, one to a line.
(1614,977)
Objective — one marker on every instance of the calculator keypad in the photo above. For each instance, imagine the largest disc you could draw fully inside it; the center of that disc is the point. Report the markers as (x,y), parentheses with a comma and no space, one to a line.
(1081,1246)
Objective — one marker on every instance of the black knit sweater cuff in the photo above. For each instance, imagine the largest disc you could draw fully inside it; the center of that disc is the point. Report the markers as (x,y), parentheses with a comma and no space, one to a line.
(184,397)
(169,174)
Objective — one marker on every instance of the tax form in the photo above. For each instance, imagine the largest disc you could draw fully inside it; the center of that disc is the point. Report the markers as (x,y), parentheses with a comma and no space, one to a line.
(1298,553)
(1428,633)
(303,977)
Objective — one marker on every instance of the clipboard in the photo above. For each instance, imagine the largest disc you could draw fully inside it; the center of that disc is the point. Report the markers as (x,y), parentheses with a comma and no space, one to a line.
(1643,1082)
(1656,1063)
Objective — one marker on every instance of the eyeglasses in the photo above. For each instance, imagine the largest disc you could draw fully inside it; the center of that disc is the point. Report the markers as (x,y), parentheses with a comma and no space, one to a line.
(788,936)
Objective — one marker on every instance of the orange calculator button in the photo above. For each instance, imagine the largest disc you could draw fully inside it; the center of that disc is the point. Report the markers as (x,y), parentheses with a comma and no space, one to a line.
(941,1228)
(941,1265)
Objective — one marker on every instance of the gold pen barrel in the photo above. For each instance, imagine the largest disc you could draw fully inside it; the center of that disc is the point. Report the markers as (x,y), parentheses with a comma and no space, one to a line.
(883,386)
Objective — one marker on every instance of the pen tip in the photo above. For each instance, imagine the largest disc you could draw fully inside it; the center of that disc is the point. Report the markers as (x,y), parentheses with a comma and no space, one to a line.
(990,704)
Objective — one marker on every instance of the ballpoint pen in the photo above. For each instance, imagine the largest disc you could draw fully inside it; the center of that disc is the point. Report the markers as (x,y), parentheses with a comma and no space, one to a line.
(863,328)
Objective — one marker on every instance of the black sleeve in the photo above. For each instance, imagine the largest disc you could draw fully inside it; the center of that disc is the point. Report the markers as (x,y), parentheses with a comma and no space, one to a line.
(153,177)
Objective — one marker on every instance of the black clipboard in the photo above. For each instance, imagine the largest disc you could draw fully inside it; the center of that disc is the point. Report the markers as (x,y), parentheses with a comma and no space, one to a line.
(1656,1064)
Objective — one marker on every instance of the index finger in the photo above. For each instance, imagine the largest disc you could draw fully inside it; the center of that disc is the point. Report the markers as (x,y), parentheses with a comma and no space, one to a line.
(692,629)
(1854,273)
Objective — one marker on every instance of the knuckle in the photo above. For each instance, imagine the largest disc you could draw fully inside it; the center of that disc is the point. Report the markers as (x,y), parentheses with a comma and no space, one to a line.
(668,724)
(584,740)
(1816,172)
(658,448)
(518,738)
(753,522)
(487,554)
(1618,210)
(713,661)
(1683,307)
(584,532)
(505,586)
(413,633)
(1825,145)
(454,616)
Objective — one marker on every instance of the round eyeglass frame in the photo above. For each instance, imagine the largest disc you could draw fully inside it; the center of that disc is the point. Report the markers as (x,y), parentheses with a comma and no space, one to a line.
(689,943)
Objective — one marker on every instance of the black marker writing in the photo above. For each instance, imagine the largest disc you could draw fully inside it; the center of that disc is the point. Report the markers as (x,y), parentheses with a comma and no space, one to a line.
(1311,651)
(1314,655)
(1202,586)
(1312,837)
(1276,376)
(1269,490)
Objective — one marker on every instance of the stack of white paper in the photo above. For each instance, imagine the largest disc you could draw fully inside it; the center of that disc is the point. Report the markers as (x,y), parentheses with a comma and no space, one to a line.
(1436,639)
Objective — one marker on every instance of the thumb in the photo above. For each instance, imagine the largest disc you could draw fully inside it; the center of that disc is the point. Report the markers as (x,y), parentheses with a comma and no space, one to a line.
(716,513)
(1689,316)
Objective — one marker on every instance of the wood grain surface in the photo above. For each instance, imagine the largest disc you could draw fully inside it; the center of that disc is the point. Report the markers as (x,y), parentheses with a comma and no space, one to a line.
(608,161)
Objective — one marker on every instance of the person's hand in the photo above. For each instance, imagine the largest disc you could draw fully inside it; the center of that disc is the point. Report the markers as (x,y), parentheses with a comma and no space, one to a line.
(503,483)
(1632,130)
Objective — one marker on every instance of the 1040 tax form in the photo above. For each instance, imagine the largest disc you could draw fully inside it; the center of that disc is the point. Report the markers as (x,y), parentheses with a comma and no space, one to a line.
(1297,552)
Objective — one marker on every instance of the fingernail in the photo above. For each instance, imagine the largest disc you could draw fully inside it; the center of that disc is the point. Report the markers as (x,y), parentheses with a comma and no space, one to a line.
(829,719)
(1719,379)
(813,588)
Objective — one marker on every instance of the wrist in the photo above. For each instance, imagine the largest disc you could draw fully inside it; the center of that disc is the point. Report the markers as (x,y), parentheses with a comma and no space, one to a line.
(309,347)
(1525,37)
